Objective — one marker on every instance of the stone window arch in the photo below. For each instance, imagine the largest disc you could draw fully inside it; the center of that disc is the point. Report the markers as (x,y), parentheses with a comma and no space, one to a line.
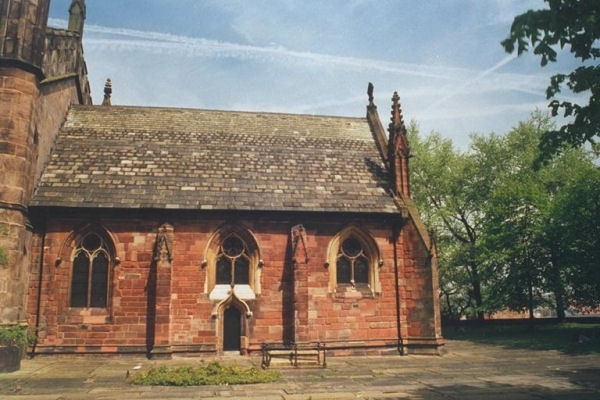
(353,260)
(92,261)
(233,261)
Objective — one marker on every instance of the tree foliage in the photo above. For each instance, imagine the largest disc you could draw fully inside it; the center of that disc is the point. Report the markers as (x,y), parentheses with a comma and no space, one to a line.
(452,188)
(574,24)
(509,236)
(575,223)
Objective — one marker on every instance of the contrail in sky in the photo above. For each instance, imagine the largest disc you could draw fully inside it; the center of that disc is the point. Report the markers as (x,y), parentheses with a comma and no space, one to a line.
(457,90)
(162,43)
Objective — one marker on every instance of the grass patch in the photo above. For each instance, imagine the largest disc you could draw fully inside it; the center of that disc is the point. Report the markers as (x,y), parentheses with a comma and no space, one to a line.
(571,337)
(211,374)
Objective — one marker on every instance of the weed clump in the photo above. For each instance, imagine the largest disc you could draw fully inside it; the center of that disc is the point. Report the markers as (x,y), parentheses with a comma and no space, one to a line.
(211,374)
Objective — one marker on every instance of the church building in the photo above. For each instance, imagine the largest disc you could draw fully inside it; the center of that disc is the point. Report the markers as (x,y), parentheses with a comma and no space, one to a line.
(165,231)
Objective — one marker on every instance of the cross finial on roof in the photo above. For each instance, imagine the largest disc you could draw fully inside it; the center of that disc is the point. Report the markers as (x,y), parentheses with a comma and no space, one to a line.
(370,94)
(107,92)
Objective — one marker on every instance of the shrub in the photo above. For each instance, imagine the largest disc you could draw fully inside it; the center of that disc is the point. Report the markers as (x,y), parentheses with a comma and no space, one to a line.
(211,374)
(14,336)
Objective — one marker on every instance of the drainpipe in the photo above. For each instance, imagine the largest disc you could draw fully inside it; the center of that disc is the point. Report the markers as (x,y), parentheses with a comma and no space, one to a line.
(395,235)
(39,293)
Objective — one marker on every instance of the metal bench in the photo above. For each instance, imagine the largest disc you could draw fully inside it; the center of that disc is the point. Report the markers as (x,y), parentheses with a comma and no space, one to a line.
(294,352)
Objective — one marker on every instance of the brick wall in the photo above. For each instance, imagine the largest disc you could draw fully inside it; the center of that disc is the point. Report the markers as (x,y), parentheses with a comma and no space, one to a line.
(178,314)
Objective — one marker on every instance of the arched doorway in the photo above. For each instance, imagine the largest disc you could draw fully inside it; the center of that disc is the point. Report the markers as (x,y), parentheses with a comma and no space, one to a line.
(232,316)
(232,329)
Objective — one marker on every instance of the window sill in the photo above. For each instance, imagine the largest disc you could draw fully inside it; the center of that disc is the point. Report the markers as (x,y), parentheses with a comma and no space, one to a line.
(221,292)
(88,315)
(359,291)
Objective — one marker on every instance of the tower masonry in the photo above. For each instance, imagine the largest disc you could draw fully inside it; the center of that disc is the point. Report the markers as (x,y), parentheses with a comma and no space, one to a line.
(42,72)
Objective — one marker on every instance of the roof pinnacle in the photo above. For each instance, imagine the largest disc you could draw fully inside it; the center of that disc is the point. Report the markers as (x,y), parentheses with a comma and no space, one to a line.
(77,12)
(370,94)
(107,92)
(397,120)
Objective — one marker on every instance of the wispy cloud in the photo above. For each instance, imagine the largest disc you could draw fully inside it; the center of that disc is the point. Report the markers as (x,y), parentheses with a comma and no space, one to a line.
(190,71)
(165,43)
(481,111)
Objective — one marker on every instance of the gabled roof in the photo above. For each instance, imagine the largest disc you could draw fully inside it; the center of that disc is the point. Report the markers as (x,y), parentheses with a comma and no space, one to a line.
(140,157)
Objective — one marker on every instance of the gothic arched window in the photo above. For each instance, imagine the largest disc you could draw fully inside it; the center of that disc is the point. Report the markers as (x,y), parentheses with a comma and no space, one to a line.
(89,280)
(232,259)
(353,261)
(233,262)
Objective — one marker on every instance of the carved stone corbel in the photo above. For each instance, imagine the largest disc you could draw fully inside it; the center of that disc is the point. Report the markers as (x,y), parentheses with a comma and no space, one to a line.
(298,236)
(163,247)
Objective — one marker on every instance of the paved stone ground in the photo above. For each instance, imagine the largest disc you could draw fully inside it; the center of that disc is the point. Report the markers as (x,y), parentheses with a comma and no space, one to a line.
(467,371)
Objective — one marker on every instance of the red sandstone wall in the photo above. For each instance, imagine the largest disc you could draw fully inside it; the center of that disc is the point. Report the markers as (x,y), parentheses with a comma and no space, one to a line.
(18,94)
(418,288)
(29,120)
(185,321)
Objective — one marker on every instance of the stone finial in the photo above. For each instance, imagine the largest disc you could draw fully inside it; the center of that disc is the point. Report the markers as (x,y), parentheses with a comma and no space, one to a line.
(397,120)
(370,94)
(77,12)
(107,92)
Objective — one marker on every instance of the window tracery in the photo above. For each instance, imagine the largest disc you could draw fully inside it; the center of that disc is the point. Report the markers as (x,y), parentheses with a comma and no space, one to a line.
(353,261)
(89,280)
(232,259)
(233,262)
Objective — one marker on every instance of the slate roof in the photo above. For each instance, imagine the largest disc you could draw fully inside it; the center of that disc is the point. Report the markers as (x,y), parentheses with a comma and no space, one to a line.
(167,158)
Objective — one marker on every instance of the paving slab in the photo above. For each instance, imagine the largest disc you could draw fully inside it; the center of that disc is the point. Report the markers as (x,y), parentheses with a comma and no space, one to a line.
(467,371)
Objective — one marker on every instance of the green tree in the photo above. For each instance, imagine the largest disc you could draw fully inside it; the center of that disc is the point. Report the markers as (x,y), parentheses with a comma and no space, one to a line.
(575,226)
(508,235)
(576,25)
(534,247)
(451,189)
(515,247)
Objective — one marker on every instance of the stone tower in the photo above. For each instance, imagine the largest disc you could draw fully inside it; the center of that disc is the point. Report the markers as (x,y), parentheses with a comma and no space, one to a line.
(42,72)
(21,54)
(77,16)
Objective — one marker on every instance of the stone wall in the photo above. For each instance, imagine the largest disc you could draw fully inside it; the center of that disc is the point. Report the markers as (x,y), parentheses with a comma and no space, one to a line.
(64,58)
(18,94)
(168,305)
(30,119)
(23,26)
(53,103)
(42,72)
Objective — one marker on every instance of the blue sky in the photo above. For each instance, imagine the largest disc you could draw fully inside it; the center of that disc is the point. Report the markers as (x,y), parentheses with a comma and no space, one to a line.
(316,57)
